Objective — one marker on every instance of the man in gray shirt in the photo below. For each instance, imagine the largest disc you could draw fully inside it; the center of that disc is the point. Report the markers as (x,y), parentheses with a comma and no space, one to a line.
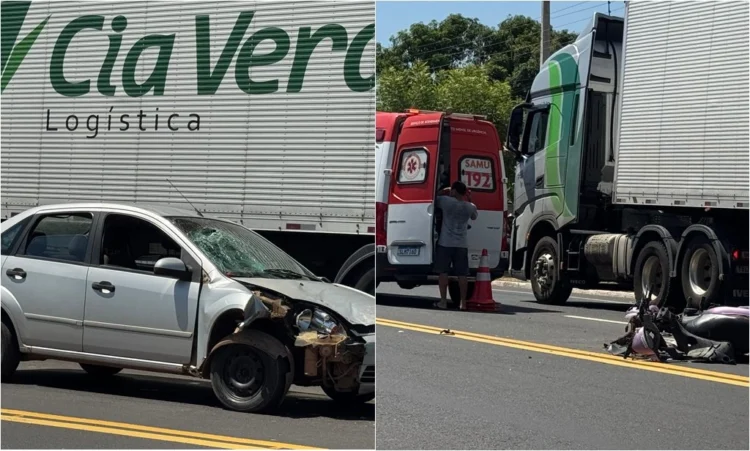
(452,248)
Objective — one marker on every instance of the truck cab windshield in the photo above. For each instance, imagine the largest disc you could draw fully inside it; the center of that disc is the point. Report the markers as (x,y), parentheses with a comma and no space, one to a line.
(239,252)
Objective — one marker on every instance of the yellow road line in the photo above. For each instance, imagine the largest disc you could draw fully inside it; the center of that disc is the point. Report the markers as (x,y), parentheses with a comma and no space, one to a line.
(695,373)
(140,431)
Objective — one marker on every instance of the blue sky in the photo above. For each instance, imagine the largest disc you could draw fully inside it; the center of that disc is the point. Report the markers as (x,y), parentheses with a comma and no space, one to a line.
(394,16)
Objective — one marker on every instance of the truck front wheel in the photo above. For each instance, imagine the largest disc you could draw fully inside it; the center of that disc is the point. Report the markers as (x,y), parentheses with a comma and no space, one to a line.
(700,273)
(548,287)
(248,378)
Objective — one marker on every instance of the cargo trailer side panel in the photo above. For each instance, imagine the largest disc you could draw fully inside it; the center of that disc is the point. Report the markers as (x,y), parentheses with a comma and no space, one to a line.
(282,139)
(683,132)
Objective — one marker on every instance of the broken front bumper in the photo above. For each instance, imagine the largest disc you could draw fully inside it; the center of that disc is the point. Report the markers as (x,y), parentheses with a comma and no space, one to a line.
(367,370)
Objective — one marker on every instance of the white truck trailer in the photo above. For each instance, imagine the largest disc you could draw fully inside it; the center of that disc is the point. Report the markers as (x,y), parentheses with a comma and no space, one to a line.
(262,113)
(633,158)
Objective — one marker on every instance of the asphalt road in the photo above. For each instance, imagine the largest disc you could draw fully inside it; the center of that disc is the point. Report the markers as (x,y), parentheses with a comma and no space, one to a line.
(475,391)
(56,405)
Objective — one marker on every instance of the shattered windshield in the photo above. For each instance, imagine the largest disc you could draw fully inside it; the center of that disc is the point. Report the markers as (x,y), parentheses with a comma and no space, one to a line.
(239,252)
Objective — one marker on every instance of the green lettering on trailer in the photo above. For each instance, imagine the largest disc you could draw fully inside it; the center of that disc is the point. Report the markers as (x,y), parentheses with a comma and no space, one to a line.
(12,16)
(208,79)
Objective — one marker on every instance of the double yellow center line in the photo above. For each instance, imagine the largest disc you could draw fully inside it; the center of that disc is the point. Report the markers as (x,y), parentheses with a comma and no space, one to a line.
(140,431)
(676,370)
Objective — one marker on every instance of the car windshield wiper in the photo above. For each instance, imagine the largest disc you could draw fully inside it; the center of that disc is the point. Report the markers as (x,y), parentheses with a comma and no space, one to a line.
(242,274)
(289,274)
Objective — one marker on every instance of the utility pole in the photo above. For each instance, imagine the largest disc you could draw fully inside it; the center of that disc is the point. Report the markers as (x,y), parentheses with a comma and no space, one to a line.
(544,50)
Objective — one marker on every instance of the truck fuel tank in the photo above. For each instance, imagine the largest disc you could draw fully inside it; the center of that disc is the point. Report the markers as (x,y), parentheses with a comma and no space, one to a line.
(609,254)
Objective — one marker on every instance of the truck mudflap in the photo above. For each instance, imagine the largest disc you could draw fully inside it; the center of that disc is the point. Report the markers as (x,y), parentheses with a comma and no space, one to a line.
(367,369)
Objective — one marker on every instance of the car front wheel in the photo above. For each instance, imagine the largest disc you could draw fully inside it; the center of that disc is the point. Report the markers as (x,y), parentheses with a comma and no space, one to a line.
(249,378)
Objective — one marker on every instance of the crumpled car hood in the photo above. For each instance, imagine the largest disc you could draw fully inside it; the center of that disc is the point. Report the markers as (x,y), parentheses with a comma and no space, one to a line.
(356,307)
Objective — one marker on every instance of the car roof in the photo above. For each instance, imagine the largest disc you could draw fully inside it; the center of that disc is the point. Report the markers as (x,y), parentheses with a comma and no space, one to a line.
(160,210)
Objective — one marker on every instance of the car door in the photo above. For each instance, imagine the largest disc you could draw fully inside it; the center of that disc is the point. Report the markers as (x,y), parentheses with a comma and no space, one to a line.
(130,311)
(47,279)
(412,194)
(475,160)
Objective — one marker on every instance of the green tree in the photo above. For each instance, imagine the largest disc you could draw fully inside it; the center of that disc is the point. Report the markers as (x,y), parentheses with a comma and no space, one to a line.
(510,51)
(467,90)
(400,89)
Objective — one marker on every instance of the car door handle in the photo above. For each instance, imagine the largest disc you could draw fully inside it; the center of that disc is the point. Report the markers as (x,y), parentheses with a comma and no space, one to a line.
(105,287)
(16,273)
(540,181)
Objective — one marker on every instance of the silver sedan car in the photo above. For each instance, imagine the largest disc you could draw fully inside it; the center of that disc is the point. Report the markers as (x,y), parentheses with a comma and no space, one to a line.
(157,288)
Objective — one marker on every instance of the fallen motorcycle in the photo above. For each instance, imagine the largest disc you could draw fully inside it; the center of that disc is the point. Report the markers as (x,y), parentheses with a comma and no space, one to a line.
(715,334)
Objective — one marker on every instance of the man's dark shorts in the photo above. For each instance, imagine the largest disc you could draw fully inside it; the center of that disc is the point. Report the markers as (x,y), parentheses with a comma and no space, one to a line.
(458,256)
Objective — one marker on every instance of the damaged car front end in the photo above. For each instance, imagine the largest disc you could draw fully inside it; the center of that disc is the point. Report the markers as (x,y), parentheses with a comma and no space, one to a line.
(268,323)
(332,350)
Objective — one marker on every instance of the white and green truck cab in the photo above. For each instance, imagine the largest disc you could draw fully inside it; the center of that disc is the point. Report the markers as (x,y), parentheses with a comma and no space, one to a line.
(632,151)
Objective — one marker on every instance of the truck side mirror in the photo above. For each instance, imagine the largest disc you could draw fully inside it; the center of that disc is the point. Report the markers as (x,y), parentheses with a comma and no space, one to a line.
(515,128)
(172,267)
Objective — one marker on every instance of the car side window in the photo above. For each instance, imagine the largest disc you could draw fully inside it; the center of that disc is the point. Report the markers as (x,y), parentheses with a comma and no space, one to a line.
(60,237)
(134,244)
(12,235)
(538,132)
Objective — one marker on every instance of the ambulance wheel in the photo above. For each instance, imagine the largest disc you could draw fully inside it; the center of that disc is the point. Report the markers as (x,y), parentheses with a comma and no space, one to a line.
(455,293)
(548,285)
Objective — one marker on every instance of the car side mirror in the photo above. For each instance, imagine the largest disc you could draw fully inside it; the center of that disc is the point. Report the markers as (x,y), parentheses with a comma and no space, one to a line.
(172,267)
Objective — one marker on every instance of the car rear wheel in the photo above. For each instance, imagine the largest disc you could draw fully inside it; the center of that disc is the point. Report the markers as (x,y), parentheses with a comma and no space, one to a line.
(11,355)
(249,378)
(100,370)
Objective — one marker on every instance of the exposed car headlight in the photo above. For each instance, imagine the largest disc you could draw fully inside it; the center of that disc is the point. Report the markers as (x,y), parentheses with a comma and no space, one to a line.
(324,323)
(304,319)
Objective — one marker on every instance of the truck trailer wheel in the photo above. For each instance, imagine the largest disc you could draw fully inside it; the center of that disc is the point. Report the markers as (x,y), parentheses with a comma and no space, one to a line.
(11,356)
(548,288)
(700,273)
(366,282)
(248,378)
(652,270)
(455,293)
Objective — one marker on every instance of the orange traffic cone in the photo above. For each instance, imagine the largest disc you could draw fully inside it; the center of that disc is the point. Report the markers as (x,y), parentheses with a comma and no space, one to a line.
(481,300)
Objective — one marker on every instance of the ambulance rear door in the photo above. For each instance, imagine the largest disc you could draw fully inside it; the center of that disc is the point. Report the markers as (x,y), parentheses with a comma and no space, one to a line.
(412,194)
(475,160)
